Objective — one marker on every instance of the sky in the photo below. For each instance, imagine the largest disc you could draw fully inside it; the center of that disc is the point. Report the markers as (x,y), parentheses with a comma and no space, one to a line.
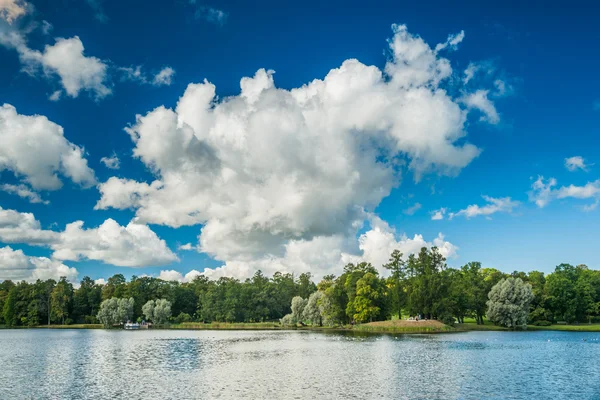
(179,138)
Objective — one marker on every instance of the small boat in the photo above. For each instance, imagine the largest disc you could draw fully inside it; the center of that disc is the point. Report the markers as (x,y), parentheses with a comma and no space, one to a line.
(131,325)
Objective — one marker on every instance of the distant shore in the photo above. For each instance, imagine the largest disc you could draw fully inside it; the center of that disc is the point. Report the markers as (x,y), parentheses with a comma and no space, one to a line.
(401,327)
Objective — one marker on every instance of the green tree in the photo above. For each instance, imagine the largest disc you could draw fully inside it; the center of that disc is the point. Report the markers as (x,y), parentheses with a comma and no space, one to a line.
(397,267)
(509,302)
(369,291)
(60,299)
(9,310)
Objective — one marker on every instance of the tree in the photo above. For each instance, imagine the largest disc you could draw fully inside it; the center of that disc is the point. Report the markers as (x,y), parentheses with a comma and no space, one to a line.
(148,310)
(9,310)
(60,300)
(162,311)
(397,266)
(313,311)
(298,304)
(509,302)
(115,311)
(368,292)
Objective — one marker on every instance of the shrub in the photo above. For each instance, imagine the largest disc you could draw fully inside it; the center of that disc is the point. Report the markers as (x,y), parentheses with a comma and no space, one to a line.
(447,319)
(183,317)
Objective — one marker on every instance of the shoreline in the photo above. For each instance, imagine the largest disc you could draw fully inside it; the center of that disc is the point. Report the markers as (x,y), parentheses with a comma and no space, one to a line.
(389,329)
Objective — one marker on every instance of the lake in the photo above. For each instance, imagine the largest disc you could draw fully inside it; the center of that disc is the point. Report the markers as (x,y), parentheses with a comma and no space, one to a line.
(162,364)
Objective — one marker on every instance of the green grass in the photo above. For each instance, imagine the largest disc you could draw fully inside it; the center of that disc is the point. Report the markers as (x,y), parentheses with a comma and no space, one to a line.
(416,329)
(572,328)
(73,326)
(226,325)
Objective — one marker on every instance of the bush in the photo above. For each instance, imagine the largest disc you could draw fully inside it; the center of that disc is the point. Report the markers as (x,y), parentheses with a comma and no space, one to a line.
(542,323)
(183,317)
(90,319)
(68,321)
(447,319)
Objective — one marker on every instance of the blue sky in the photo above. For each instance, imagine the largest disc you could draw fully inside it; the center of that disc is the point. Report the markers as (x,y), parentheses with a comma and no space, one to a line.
(534,65)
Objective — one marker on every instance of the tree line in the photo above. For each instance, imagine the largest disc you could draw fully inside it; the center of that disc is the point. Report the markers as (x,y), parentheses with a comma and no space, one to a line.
(417,285)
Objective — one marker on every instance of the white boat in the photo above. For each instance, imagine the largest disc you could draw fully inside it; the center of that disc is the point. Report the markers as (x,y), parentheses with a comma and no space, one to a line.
(131,325)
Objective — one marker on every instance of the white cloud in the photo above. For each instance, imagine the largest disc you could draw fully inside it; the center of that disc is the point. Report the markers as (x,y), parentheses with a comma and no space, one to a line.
(172,275)
(437,215)
(135,73)
(413,209)
(36,151)
(479,100)
(134,245)
(66,60)
(575,163)
(328,255)
(18,227)
(543,193)
(269,169)
(111,162)
(100,281)
(24,192)
(16,266)
(186,247)
(504,204)
(164,77)
(55,96)
(11,10)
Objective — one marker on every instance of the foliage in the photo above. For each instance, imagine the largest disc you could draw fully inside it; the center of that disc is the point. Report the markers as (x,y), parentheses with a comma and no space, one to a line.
(420,284)
(509,302)
(115,311)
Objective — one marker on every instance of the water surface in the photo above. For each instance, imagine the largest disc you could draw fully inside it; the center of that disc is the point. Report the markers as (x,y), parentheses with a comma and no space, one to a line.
(99,364)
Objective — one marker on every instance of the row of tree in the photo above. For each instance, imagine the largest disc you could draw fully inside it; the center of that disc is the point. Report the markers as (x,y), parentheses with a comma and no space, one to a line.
(420,284)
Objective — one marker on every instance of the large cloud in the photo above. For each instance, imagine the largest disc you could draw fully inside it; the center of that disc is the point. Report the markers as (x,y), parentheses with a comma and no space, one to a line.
(270,168)
(15,265)
(35,150)
(134,245)
(327,255)
(18,227)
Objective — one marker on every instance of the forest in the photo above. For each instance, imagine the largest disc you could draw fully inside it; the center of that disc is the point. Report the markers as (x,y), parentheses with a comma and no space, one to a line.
(417,285)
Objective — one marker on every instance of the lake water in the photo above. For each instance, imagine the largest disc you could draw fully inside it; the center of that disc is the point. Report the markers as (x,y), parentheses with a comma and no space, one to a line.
(98,364)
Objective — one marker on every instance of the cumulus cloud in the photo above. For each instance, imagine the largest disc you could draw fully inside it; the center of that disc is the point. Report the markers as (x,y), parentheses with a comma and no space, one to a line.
(18,227)
(172,275)
(16,266)
(413,209)
(544,191)
(36,151)
(186,247)
(270,167)
(327,255)
(575,163)
(495,205)
(437,215)
(66,60)
(134,245)
(111,162)
(24,192)
(11,10)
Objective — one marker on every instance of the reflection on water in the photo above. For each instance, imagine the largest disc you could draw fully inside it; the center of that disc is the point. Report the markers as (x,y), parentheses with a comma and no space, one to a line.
(98,364)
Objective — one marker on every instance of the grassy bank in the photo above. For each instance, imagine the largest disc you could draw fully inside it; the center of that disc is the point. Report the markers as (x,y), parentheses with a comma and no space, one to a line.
(401,326)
